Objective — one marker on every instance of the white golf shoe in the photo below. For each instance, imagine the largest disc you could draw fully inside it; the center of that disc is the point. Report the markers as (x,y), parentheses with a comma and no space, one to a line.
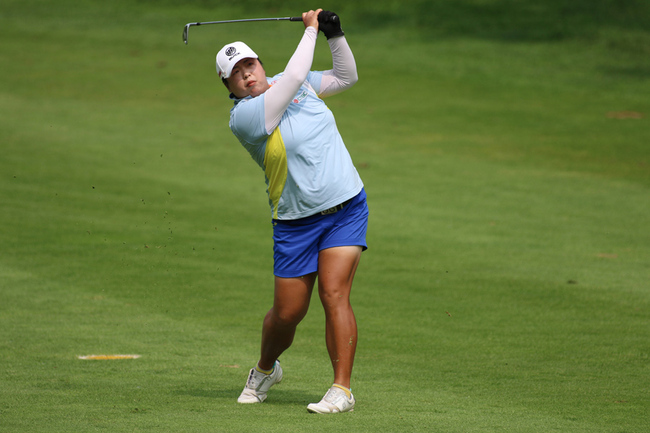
(335,401)
(258,384)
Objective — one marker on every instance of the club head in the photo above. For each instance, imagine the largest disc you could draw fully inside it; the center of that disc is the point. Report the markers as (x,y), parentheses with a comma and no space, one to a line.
(185,31)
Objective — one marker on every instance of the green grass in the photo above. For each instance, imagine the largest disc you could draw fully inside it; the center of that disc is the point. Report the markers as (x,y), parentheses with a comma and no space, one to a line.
(506,287)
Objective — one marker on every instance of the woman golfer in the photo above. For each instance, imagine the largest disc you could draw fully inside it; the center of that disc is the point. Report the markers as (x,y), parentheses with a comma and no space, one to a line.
(317,199)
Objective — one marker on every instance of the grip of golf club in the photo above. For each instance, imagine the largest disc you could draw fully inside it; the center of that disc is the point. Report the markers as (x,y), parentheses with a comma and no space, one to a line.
(295,19)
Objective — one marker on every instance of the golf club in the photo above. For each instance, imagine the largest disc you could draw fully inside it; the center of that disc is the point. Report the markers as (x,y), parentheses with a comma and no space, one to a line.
(188,25)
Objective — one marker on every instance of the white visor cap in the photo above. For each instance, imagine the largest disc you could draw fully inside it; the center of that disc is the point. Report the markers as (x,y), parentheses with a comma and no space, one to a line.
(230,54)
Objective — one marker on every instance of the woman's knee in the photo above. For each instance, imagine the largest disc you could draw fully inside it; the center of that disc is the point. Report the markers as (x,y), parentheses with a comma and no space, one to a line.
(288,316)
(292,297)
(334,298)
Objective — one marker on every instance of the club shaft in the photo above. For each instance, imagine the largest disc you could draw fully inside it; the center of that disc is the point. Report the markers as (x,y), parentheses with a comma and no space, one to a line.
(188,25)
(247,20)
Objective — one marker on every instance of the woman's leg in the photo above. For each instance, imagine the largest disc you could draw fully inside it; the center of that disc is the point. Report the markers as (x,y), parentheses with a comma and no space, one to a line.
(290,305)
(336,269)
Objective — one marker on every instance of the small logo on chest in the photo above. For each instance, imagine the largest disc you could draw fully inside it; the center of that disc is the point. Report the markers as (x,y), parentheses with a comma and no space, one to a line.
(300,97)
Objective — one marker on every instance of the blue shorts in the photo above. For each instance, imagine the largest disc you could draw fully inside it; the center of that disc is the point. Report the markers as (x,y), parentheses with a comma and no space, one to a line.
(296,243)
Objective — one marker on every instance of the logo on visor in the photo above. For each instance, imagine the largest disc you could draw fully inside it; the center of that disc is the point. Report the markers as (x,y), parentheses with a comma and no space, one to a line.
(230,51)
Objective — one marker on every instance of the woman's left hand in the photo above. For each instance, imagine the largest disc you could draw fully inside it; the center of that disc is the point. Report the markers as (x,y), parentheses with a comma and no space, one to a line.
(310,19)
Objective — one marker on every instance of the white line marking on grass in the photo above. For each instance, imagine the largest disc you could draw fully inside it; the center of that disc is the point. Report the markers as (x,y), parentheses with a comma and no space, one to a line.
(108,357)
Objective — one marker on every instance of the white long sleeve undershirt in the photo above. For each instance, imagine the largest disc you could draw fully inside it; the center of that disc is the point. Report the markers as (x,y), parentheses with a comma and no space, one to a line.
(342,76)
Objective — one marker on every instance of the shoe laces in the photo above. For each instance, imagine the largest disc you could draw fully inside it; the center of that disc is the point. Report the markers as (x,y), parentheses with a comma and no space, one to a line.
(256,378)
(334,394)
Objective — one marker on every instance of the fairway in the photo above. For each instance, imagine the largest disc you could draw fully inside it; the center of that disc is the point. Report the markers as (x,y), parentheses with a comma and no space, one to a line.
(505,151)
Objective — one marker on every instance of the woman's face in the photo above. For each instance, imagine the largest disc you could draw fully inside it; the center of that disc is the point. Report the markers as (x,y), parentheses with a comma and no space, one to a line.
(248,78)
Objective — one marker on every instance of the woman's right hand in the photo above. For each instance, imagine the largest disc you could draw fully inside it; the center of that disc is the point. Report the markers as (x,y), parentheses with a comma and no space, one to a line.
(310,19)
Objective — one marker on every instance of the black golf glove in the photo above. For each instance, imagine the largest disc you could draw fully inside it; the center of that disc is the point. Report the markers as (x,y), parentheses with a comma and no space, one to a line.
(330,24)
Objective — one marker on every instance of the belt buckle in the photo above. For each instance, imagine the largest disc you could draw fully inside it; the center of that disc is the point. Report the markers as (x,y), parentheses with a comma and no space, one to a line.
(330,210)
